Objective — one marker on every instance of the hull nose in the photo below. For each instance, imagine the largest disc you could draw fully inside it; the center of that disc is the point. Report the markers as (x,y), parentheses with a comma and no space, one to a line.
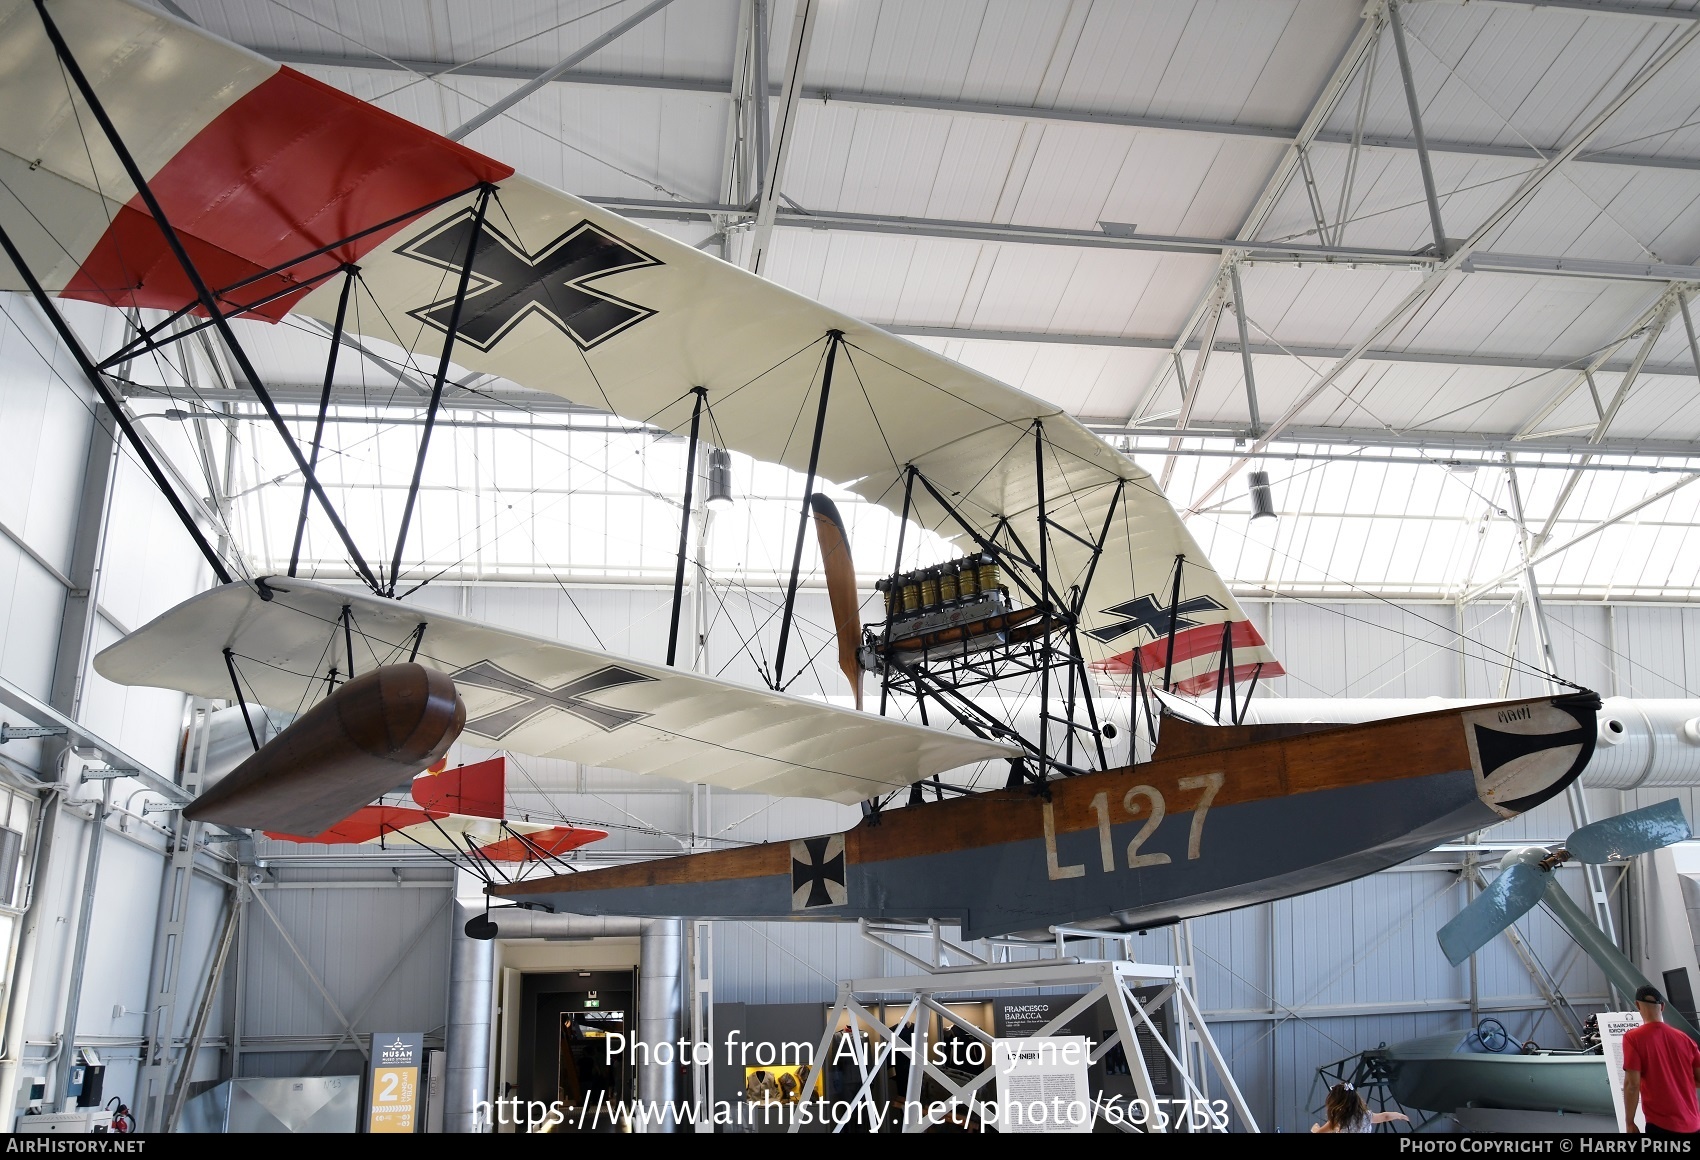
(1526,754)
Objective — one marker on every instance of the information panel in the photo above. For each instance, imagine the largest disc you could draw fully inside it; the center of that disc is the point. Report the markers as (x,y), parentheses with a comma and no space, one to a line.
(1614,1025)
(1042,1083)
(396,1061)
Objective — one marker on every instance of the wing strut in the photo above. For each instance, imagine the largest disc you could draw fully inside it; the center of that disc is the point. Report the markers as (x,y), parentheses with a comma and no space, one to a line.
(472,238)
(348,273)
(1174,620)
(894,594)
(833,338)
(98,382)
(701,394)
(202,291)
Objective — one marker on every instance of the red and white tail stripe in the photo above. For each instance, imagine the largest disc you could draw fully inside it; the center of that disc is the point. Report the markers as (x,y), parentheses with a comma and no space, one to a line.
(1196,664)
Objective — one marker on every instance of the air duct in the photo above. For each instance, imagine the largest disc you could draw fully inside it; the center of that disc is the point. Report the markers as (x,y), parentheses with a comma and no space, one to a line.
(472,998)
(661,1000)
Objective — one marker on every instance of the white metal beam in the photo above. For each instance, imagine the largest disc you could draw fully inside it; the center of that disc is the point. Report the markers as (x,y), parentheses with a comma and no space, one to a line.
(1436,277)
(1508,360)
(543,78)
(784,132)
(1544,554)
(447,69)
(1357,52)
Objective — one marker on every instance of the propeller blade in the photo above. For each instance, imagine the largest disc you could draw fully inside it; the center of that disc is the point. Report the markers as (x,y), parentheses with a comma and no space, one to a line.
(1626,835)
(1507,899)
(840,587)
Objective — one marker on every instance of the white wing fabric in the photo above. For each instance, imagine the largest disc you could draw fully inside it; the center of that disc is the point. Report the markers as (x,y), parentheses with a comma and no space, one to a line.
(530,695)
(256,164)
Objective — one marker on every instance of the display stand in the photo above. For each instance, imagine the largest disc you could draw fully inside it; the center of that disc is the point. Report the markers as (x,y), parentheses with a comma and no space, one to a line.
(1114,981)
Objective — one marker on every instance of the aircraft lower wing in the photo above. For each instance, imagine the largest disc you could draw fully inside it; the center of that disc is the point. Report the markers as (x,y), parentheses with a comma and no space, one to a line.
(531,695)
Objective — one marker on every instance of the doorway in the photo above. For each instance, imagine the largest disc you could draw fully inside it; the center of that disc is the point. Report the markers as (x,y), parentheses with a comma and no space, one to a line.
(566,1053)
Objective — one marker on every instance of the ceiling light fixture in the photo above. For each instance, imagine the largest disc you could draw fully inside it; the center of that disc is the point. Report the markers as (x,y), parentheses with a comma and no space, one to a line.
(719,479)
(1262,502)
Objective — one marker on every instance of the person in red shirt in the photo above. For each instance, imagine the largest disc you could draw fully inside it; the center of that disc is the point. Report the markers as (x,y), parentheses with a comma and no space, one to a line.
(1661,1070)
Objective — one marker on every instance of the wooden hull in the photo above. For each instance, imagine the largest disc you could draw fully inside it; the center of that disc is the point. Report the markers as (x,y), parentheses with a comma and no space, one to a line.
(1141,846)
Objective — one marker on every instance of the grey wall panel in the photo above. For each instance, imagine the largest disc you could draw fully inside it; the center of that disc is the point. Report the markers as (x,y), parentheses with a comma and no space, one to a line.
(1363,649)
(46,425)
(150,563)
(351,938)
(1660,647)
(31,603)
(147,722)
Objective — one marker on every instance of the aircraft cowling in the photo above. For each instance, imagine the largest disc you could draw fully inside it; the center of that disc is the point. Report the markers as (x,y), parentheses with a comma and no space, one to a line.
(375,731)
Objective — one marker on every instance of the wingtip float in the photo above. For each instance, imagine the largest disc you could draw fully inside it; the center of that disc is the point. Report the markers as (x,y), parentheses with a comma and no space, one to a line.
(366,737)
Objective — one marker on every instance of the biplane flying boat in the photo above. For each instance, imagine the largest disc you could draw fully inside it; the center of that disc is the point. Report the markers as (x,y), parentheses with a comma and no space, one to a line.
(147,166)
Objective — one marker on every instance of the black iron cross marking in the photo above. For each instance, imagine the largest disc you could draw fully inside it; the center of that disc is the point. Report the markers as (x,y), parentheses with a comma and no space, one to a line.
(817,872)
(535,698)
(509,282)
(1144,612)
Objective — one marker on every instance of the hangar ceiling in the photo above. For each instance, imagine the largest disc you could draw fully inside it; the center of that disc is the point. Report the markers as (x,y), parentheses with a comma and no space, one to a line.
(1078,197)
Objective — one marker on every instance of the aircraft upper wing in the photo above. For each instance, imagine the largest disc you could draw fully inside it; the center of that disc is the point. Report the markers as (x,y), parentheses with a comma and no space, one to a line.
(530,695)
(256,164)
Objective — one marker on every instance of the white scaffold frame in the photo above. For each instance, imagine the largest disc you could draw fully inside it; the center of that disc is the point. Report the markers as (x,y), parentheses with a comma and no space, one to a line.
(1112,981)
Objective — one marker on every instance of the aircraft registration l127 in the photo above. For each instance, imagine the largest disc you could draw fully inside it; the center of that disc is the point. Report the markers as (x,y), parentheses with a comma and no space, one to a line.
(1222,817)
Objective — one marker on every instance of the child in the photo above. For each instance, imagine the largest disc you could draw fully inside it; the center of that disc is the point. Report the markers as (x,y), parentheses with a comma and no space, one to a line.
(1347,1112)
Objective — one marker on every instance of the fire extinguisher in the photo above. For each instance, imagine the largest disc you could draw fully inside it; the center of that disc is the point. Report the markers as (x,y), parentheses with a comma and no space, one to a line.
(122,1120)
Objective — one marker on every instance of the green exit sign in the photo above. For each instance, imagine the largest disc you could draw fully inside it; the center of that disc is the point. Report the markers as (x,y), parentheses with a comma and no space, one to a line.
(593,1002)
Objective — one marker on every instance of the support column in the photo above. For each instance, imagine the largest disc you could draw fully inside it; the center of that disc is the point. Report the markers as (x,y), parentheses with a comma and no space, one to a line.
(1245,352)
(76,623)
(80,950)
(1575,795)
(472,966)
(660,1002)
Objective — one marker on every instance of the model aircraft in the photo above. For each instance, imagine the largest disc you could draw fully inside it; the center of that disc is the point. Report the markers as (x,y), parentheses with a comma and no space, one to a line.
(146,165)
(462,809)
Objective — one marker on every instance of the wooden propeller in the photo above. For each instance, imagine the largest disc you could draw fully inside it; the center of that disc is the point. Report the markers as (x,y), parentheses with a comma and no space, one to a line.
(840,587)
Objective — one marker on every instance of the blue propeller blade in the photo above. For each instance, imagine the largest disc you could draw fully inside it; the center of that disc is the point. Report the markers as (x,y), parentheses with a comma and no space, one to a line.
(1507,899)
(1637,832)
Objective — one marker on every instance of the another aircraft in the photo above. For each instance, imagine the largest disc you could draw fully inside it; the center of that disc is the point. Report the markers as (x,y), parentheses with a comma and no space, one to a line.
(462,809)
(147,165)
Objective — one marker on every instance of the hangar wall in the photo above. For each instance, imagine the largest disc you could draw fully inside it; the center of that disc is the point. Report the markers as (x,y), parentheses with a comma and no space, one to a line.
(139,562)
(1289,986)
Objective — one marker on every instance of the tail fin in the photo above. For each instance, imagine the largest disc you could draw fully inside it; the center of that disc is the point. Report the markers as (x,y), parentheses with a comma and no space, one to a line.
(479,789)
